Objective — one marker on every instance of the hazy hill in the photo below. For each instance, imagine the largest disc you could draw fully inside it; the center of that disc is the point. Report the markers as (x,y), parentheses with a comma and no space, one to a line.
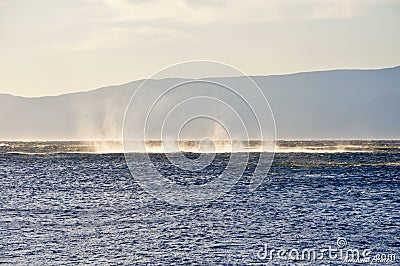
(325,104)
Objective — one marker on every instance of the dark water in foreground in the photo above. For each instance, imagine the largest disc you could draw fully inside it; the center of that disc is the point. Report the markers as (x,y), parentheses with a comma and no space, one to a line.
(76,208)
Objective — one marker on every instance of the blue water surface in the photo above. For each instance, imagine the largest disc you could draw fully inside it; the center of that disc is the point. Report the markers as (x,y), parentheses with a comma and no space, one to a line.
(73,208)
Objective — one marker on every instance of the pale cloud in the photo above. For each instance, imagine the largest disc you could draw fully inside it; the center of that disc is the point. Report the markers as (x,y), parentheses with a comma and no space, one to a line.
(114,38)
(157,22)
(337,9)
(104,39)
(235,11)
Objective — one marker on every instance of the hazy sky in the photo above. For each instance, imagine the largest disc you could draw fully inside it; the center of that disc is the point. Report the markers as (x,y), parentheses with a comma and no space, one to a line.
(49,47)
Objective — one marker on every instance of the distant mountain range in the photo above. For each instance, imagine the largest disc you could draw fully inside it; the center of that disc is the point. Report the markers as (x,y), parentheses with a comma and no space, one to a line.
(336,104)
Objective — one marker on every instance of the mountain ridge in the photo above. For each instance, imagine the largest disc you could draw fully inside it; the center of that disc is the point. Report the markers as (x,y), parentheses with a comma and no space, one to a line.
(251,76)
(333,104)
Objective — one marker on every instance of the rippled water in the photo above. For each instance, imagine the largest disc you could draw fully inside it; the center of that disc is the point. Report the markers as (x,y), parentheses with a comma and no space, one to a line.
(78,208)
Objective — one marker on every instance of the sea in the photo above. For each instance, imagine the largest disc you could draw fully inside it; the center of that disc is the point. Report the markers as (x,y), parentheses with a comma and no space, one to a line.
(321,203)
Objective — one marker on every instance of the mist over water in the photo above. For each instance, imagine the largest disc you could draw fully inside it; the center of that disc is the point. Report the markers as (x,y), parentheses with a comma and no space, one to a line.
(198,146)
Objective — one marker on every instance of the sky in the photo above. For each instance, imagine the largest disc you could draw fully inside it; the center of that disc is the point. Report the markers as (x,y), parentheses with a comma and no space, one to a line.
(52,47)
